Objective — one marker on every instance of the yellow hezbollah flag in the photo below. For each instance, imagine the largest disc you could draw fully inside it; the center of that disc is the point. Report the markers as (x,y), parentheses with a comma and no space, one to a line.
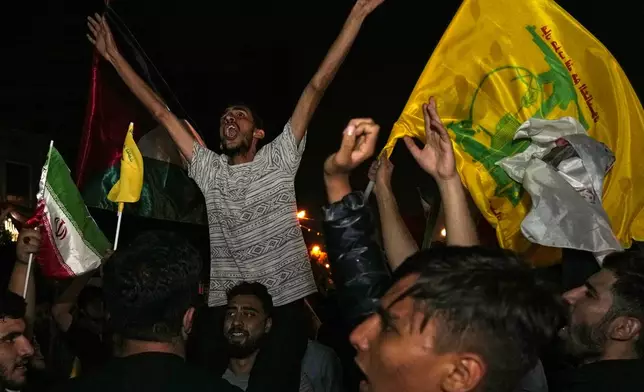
(501,62)
(128,188)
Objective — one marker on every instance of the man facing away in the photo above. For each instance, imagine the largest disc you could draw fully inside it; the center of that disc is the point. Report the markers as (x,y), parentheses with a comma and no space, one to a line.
(250,200)
(149,288)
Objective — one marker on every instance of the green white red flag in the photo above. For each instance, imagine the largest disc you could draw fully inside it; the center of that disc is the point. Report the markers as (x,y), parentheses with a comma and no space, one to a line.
(72,244)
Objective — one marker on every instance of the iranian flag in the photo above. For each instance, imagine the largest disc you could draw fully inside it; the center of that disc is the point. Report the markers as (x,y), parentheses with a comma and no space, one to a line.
(72,243)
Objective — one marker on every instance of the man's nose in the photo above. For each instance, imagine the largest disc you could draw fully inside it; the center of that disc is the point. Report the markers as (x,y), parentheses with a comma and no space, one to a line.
(228,119)
(573,295)
(364,333)
(24,347)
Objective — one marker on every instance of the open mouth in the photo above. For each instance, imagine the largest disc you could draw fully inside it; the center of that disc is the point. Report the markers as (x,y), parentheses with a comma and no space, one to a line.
(231,131)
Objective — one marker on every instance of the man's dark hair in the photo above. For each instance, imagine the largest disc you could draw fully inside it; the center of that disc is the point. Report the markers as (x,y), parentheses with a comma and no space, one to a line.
(628,289)
(12,305)
(258,290)
(485,302)
(257,120)
(89,295)
(149,285)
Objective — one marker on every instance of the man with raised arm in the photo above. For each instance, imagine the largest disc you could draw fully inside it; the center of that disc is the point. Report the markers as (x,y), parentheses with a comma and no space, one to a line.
(250,198)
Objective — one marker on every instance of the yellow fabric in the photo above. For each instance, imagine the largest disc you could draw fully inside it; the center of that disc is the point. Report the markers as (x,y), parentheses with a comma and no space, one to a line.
(128,188)
(76,368)
(501,62)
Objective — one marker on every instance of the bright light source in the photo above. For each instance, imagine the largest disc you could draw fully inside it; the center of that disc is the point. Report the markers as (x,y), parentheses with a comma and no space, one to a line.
(443,233)
(327,266)
(11,229)
(315,250)
(301,214)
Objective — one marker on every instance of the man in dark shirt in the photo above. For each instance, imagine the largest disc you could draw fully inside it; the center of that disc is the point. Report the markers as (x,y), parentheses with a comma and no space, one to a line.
(604,332)
(149,287)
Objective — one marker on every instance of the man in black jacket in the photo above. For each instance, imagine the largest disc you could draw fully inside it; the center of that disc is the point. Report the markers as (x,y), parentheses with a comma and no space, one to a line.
(149,289)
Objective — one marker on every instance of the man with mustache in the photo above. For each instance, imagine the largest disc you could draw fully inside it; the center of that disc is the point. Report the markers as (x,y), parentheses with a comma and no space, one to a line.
(247,323)
(250,200)
(604,331)
(15,347)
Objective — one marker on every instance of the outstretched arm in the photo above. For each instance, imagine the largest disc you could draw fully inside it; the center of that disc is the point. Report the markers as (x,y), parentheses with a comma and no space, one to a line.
(102,38)
(437,159)
(310,98)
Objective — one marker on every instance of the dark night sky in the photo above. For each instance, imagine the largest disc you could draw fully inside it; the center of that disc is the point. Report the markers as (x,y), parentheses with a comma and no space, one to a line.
(215,52)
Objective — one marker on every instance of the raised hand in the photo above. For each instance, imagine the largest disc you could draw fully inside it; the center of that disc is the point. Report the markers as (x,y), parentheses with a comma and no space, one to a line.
(358,145)
(437,157)
(101,36)
(28,242)
(365,7)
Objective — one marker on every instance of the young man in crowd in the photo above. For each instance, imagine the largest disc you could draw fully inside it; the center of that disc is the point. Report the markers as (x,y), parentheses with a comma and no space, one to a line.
(247,323)
(604,332)
(15,348)
(456,319)
(251,204)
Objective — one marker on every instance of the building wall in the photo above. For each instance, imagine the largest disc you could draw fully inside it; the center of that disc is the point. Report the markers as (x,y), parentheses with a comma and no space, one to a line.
(22,155)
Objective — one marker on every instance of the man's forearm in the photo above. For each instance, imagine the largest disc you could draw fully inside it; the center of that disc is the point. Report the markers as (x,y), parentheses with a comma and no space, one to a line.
(154,104)
(337,187)
(337,53)
(310,98)
(459,224)
(398,241)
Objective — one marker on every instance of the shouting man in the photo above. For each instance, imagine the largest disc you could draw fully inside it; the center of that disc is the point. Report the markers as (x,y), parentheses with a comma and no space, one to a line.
(250,199)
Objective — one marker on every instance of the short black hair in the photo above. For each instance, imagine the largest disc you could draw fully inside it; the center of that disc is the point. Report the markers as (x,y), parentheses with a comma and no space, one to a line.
(149,285)
(257,119)
(487,302)
(12,305)
(628,289)
(256,289)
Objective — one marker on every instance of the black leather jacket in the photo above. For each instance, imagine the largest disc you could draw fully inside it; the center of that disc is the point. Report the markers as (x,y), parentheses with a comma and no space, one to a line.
(359,271)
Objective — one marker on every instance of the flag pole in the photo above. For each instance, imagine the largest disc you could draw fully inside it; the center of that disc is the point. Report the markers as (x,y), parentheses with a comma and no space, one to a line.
(118,224)
(43,180)
(369,189)
(31,260)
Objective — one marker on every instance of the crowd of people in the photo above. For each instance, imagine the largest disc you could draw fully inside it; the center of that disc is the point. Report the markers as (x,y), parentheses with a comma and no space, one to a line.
(458,317)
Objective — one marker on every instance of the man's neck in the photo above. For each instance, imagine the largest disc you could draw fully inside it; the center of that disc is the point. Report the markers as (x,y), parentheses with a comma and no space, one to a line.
(614,352)
(240,366)
(242,158)
(133,347)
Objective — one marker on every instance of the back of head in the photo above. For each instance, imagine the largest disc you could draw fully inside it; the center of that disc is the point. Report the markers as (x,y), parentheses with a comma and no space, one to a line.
(488,303)
(149,285)
(628,289)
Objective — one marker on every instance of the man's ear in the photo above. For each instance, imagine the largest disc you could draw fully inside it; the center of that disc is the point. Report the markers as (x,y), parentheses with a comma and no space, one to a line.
(259,134)
(188,317)
(625,328)
(466,374)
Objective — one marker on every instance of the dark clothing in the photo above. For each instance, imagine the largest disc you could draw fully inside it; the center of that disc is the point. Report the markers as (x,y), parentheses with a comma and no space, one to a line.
(602,376)
(357,263)
(92,350)
(154,372)
(279,362)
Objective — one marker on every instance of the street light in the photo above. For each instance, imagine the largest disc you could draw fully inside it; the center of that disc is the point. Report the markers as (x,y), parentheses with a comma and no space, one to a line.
(443,233)
(301,214)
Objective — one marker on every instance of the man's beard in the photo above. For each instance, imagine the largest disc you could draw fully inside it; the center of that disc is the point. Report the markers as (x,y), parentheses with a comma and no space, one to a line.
(7,383)
(241,149)
(585,342)
(244,350)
